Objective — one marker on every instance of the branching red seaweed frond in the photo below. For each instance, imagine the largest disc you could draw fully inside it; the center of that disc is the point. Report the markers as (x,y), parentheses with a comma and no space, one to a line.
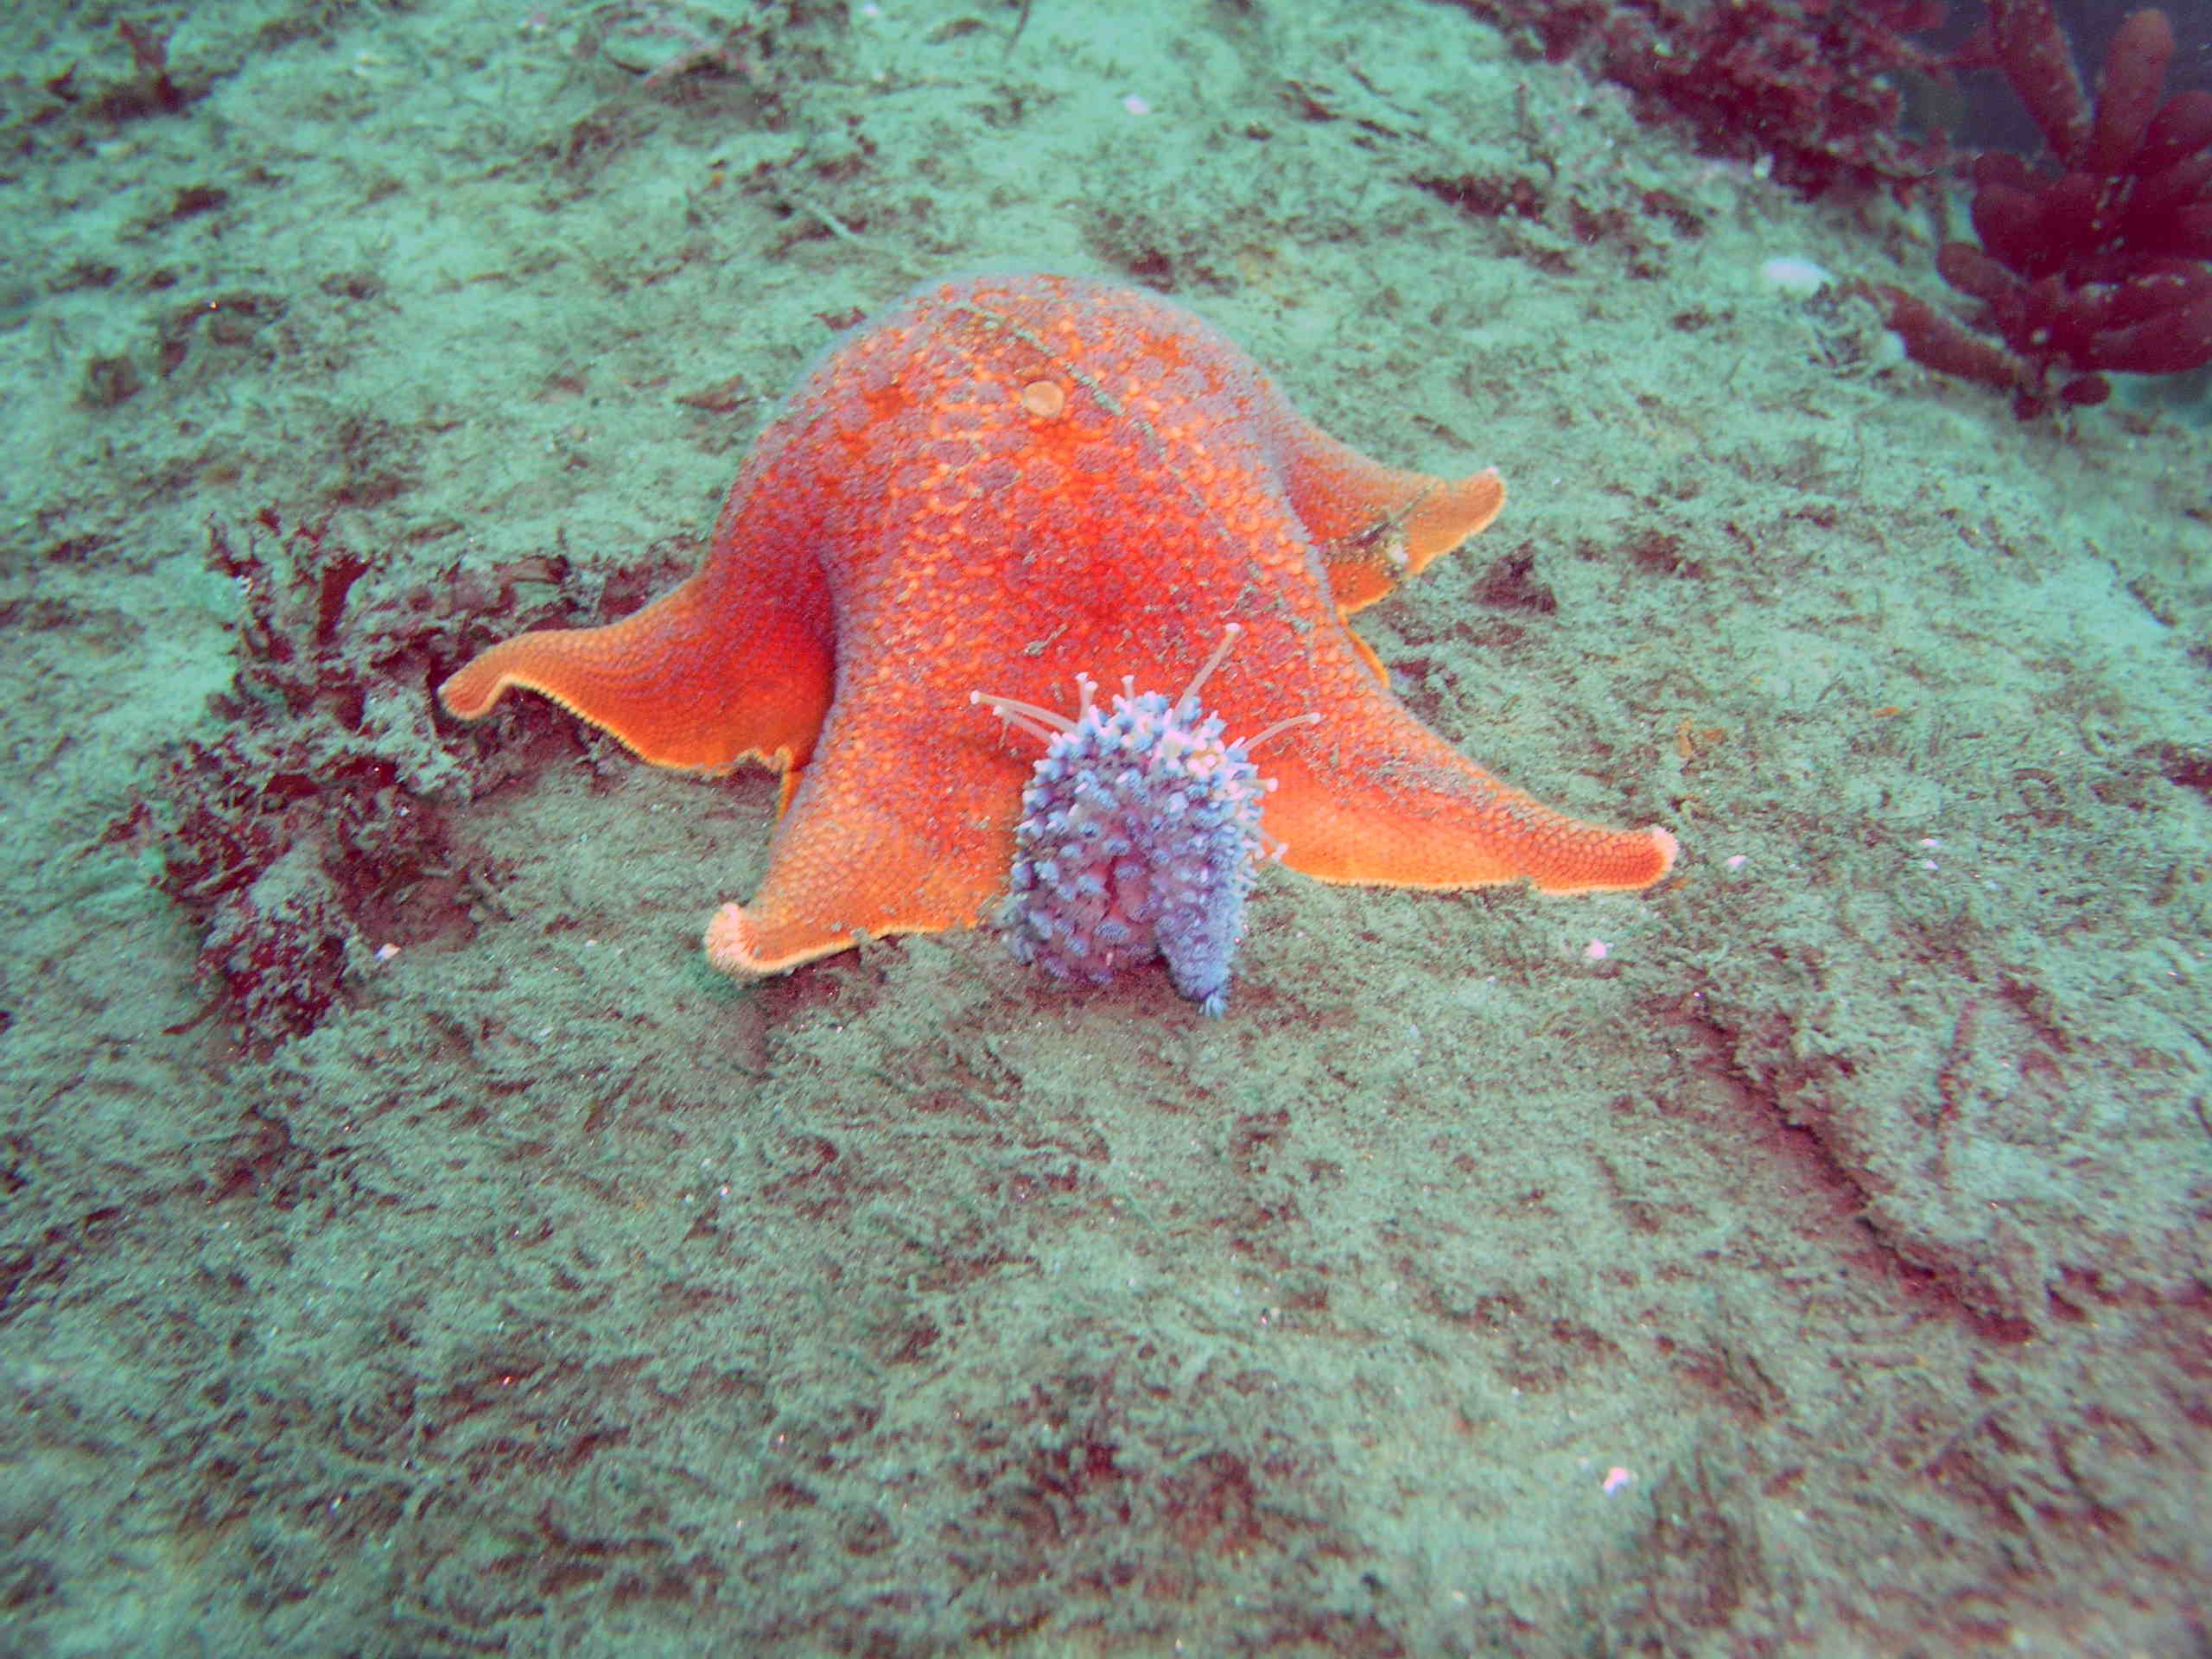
(2093,263)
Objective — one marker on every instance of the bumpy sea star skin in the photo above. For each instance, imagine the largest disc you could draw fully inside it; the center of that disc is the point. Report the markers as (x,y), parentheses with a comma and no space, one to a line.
(1001,483)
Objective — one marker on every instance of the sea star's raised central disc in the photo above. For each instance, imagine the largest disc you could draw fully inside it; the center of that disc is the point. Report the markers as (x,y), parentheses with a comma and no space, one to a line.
(1001,483)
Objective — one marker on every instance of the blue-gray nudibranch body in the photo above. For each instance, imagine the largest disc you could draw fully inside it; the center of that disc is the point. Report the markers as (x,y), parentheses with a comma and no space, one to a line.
(1139,837)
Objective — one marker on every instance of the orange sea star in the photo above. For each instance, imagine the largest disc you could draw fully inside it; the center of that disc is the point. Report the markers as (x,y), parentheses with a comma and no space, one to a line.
(1001,483)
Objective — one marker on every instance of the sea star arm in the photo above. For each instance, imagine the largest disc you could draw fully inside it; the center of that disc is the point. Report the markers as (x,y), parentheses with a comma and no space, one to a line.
(1375,524)
(662,680)
(871,847)
(1414,812)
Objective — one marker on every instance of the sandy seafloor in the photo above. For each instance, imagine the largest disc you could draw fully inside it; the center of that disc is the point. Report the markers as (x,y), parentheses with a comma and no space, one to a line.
(1824,1268)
